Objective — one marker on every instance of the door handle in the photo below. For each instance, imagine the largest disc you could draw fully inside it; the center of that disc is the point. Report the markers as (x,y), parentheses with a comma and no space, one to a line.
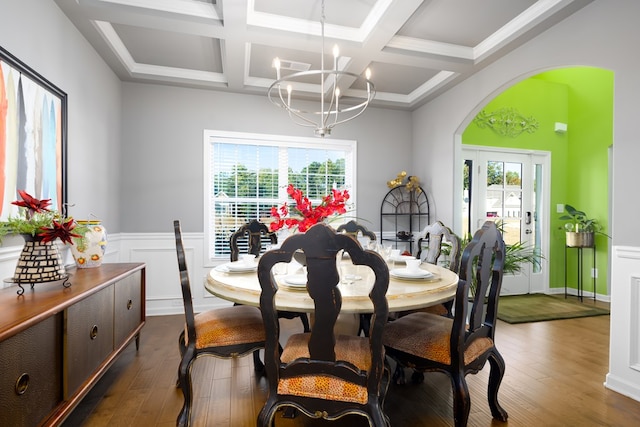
(527,218)
(527,231)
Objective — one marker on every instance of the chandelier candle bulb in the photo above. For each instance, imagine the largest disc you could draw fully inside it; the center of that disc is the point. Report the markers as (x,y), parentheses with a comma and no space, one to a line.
(276,65)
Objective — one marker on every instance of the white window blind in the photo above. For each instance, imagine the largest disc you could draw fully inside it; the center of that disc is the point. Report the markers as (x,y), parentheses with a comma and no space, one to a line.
(247,174)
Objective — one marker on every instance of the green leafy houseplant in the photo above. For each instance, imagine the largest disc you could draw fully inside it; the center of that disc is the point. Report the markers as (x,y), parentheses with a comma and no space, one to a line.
(35,219)
(516,255)
(579,221)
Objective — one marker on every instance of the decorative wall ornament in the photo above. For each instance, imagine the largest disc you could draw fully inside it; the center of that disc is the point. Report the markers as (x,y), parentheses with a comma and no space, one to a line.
(506,122)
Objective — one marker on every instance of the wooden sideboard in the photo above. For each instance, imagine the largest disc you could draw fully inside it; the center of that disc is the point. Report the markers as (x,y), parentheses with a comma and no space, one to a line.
(56,342)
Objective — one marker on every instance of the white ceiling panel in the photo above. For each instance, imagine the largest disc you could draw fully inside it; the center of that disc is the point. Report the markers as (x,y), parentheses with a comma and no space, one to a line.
(415,48)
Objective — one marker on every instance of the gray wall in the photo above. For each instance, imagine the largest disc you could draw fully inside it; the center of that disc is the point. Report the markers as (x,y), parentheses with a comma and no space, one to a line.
(135,150)
(603,34)
(38,33)
(121,176)
(162,165)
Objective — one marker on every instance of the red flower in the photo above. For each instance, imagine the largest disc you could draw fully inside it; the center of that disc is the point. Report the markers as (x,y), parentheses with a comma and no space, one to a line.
(32,204)
(59,230)
(306,214)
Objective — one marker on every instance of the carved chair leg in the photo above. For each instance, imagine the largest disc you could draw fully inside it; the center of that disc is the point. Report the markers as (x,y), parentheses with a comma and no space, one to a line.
(184,378)
(182,349)
(305,322)
(495,378)
(398,375)
(365,324)
(461,399)
(258,366)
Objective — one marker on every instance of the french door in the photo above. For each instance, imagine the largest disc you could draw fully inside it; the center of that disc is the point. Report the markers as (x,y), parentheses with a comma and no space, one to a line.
(511,188)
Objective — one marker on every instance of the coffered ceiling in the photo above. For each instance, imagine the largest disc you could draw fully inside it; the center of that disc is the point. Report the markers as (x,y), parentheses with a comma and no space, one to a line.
(415,48)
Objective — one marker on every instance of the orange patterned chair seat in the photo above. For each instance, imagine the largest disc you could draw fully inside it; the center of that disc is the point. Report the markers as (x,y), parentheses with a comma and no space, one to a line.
(428,336)
(228,326)
(352,349)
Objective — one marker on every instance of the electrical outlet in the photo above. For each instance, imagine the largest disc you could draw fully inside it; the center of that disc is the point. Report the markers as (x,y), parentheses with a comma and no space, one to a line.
(559,208)
(594,273)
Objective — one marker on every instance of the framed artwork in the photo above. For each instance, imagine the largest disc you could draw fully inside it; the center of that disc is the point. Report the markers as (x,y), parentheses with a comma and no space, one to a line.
(33,136)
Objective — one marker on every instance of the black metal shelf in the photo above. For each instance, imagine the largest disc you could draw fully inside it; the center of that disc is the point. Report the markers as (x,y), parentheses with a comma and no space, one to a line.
(403,210)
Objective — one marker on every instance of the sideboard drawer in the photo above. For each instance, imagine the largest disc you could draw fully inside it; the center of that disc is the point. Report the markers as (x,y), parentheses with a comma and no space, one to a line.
(128,307)
(30,378)
(88,337)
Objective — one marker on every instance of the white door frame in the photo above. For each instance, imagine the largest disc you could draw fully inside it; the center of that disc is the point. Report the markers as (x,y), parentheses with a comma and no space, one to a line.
(541,157)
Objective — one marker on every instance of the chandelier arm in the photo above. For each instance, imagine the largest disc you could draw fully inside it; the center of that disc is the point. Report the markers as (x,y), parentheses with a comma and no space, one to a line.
(329,110)
(363,106)
(286,105)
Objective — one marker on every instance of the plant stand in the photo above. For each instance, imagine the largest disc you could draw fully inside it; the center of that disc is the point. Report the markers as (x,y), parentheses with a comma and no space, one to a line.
(580,264)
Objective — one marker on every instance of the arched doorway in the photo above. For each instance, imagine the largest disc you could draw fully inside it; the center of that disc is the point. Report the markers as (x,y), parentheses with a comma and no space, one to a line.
(582,99)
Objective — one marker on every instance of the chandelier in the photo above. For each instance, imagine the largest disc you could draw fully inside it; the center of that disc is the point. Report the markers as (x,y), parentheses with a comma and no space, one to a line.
(330,112)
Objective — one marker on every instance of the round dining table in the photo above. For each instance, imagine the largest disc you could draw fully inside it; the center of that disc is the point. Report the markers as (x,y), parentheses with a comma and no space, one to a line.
(405,292)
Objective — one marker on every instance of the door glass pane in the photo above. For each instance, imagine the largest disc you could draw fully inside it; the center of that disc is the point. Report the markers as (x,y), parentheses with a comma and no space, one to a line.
(537,235)
(504,198)
(466,197)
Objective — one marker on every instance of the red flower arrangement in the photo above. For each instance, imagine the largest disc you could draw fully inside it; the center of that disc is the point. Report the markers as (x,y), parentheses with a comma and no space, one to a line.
(305,215)
(36,219)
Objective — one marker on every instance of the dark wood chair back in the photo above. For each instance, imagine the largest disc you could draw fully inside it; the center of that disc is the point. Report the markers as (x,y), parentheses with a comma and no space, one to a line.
(355,229)
(435,234)
(185,284)
(252,234)
(481,271)
(320,348)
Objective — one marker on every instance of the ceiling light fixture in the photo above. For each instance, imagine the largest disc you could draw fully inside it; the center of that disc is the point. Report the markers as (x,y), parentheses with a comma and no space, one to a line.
(331,111)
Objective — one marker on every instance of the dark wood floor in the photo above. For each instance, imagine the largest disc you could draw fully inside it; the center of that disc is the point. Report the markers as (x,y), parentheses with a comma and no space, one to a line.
(554,377)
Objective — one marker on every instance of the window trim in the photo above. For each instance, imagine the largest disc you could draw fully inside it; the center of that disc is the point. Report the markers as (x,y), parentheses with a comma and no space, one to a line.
(212,136)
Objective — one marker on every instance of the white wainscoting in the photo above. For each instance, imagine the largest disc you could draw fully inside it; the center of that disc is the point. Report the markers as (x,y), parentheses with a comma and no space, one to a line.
(158,251)
(624,351)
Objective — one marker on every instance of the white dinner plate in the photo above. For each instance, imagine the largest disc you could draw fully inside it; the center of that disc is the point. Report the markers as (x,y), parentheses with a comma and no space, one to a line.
(295,282)
(236,267)
(401,258)
(403,273)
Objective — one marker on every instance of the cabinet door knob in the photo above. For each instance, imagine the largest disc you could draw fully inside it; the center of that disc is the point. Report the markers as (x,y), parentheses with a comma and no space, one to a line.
(94,332)
(22,384)
(129,304)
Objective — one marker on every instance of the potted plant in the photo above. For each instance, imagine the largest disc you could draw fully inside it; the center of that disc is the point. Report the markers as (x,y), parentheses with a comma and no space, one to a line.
(580,229)
(40,260)
(516,255)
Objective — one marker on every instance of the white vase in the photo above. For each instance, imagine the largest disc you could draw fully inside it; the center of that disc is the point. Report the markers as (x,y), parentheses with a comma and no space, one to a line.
(88,250)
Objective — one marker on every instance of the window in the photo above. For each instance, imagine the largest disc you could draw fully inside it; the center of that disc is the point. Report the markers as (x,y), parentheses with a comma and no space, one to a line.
(247,174)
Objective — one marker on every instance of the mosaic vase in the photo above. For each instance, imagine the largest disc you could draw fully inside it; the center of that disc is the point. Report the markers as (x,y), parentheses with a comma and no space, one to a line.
(88,250)
(39,262)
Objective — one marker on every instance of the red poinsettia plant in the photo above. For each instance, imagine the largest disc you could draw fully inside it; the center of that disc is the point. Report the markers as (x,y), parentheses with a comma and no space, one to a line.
(303,214)
(36,219)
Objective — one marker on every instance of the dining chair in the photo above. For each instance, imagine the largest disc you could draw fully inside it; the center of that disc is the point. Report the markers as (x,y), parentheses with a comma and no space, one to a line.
(253,233)
(320,373)
(354,229)
(462,345)
(224,332)
(250,235)
(436,235)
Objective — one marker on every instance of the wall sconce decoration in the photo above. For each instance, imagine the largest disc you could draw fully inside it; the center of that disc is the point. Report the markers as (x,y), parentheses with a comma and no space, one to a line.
(506,122)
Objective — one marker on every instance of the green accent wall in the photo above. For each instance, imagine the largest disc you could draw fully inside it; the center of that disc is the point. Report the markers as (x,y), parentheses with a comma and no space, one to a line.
(581,97)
